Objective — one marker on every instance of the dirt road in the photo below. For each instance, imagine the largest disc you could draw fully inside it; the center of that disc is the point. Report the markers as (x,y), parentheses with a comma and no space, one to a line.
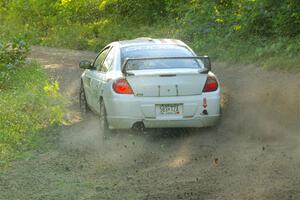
(254,153)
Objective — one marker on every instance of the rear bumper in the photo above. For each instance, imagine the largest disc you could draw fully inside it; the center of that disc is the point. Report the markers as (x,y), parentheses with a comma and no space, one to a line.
(200,121)
(125,110)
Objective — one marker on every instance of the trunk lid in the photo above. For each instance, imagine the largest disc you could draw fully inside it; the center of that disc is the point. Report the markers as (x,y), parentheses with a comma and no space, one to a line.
(166,82)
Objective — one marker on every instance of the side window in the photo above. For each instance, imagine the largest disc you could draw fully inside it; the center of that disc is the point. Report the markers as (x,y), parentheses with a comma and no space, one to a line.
(99,60)
(108,61)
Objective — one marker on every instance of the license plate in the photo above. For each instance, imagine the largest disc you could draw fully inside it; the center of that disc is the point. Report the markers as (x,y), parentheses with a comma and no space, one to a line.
(170,109)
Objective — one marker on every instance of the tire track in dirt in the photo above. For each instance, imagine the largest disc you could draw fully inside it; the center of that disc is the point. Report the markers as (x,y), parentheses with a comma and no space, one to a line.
(252,154)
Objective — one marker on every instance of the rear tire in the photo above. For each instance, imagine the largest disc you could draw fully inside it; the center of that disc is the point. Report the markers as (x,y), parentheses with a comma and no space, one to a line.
(84,108)
(104,127)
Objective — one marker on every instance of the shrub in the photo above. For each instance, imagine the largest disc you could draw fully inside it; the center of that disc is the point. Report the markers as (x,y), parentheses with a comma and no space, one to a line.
(28,101)
(12,55)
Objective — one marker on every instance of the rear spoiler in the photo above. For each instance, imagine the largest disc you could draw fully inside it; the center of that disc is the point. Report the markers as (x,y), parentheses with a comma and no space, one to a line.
(204,59)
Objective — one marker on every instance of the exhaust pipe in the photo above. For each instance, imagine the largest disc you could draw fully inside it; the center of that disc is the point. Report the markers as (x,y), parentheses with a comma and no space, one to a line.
(138,126)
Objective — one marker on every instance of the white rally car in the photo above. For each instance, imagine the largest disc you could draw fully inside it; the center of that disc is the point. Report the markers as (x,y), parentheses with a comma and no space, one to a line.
(151,83)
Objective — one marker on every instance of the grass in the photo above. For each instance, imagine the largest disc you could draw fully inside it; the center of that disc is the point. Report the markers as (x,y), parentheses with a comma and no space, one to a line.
(29,103)
(277,53)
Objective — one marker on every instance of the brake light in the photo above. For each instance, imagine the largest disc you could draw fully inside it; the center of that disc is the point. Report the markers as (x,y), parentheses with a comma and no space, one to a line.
(211,84)
(121,86)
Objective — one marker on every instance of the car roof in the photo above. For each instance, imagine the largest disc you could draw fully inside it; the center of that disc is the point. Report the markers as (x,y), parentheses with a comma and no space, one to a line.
(149,41)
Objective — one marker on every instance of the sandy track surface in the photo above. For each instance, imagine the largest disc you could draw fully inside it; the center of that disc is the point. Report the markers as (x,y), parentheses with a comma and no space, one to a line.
(254,153)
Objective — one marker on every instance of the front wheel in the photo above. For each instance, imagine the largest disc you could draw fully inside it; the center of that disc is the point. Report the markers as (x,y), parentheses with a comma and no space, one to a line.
(104,128)
(84,108)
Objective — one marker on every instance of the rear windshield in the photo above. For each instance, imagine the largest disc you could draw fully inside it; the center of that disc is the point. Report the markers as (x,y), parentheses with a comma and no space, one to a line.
(158,51)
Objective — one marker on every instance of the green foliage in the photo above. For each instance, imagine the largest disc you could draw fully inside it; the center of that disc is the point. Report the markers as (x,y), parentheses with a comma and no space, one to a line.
(227,29)
(29,105)
(142,11)
(28,101)
(12,55)
(259,17)
(73,11)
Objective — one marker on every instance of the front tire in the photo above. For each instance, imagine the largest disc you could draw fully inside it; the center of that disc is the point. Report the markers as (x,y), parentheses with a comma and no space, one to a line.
(84,108)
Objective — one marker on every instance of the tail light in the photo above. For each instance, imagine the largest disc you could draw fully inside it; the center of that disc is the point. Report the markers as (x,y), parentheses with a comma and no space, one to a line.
(122,86)
(211,84)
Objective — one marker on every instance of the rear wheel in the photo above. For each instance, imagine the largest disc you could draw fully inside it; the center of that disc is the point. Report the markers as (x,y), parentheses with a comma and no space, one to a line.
(84,108)
(103,120)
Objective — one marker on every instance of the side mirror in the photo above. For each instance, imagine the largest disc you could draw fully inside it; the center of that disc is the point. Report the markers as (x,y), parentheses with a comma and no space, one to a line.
(206,62)
(85,64)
